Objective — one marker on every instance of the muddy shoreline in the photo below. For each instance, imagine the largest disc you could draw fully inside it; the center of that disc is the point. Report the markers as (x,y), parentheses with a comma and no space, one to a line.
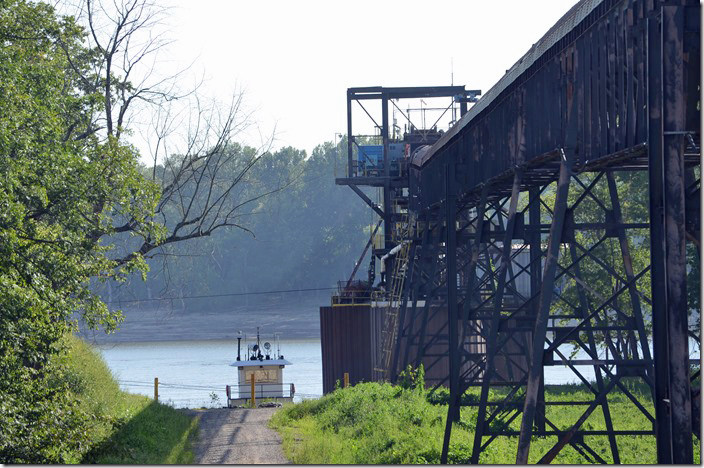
(294,321)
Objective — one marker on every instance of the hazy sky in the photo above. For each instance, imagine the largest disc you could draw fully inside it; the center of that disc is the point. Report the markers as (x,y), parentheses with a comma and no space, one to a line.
(296,59)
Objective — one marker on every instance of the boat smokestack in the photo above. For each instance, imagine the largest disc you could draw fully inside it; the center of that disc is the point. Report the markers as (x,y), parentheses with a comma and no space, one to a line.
(239,339)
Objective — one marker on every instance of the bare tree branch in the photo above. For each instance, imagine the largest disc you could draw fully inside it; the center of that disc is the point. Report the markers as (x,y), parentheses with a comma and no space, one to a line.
(204,175)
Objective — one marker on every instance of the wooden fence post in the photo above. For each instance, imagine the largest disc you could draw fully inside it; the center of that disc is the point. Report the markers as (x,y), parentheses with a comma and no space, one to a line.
(254,396)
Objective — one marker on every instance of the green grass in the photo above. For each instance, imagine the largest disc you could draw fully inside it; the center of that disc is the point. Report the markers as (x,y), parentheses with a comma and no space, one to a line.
(366,424)
(156,434)
(373,423)
(123,428)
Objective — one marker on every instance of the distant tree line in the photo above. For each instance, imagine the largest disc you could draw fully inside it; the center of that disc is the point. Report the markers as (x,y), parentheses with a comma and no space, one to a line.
(306,236)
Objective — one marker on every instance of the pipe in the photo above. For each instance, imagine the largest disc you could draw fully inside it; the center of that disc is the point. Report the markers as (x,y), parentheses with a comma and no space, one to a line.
(391,253)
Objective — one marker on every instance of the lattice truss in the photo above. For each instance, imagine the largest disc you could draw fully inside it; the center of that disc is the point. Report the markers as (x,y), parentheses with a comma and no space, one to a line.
(552,268)
(523,260)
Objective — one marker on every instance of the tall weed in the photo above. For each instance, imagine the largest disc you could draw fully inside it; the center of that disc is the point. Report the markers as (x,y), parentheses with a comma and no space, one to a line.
(377,423)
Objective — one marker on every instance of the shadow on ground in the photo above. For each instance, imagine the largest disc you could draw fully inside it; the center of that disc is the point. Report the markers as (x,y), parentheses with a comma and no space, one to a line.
(156,435)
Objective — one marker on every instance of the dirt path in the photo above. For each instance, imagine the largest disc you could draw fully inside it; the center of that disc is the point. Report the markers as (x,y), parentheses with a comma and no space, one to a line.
(237,436)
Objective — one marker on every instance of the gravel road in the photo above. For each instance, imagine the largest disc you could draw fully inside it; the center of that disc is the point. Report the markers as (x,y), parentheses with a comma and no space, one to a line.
(237,436)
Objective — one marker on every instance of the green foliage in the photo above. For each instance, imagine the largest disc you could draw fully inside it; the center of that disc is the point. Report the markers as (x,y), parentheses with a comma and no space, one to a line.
(368,423)
(76,413)
(58,194)
(63,189)
(412,378)
(41,421)
(156,434)
(375,423)
(71,188)
(124,428)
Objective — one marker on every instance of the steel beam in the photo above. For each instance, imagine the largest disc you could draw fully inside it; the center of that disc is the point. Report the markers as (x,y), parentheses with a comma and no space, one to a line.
(494,325)
(376,92)
(535,280)
(364,252)
(667,234)
(584,307)
(350,138)
(403,306)
(628,269)
(541,323)
(453,412)
(388,209)
(368,201)
(428,292)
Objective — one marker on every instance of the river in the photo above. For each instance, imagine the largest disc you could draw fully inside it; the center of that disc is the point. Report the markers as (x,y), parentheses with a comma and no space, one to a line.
(194,374)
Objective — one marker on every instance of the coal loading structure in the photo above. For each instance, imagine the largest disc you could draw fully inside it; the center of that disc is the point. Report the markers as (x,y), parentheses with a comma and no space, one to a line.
(513,240)
(358,328)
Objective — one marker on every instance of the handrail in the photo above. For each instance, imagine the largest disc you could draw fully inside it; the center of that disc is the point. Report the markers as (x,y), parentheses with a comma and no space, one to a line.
(261,390)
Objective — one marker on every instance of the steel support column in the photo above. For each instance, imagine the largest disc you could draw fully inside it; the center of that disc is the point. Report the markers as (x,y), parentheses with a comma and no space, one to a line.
(453,412)
(667,235)
(496,317)
(541,322)
(428,290)
(535,280)
(350,138)
(403,309)
(388,209)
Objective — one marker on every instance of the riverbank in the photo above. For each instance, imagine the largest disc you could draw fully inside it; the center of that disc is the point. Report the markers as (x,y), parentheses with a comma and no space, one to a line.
(125,428)
(194,374)
(295,319)
(82,416)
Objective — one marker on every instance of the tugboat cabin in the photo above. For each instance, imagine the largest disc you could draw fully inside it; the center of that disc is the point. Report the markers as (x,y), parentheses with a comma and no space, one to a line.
(266,367)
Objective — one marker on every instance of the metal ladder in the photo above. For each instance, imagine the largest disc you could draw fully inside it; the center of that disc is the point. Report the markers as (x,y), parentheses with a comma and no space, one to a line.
(395,293)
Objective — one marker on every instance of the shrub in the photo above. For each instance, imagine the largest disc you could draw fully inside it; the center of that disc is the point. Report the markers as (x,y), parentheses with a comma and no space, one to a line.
(73,411)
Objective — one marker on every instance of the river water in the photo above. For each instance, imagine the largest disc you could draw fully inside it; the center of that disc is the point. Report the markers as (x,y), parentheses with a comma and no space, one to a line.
(194,374)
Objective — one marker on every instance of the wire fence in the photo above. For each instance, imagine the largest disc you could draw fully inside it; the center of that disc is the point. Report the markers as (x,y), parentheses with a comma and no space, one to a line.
(192,395)
(134,383)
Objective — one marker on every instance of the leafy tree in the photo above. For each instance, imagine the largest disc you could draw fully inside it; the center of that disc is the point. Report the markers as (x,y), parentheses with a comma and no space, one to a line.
(71,184)
(52,179)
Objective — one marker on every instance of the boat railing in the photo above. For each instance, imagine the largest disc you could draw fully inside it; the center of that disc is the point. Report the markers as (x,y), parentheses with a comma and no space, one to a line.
(262,390)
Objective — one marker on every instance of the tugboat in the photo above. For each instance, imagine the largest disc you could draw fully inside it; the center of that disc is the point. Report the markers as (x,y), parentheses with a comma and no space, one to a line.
(260,375)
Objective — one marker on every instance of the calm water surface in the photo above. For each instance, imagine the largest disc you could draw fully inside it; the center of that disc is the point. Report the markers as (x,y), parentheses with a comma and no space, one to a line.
(194,374)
